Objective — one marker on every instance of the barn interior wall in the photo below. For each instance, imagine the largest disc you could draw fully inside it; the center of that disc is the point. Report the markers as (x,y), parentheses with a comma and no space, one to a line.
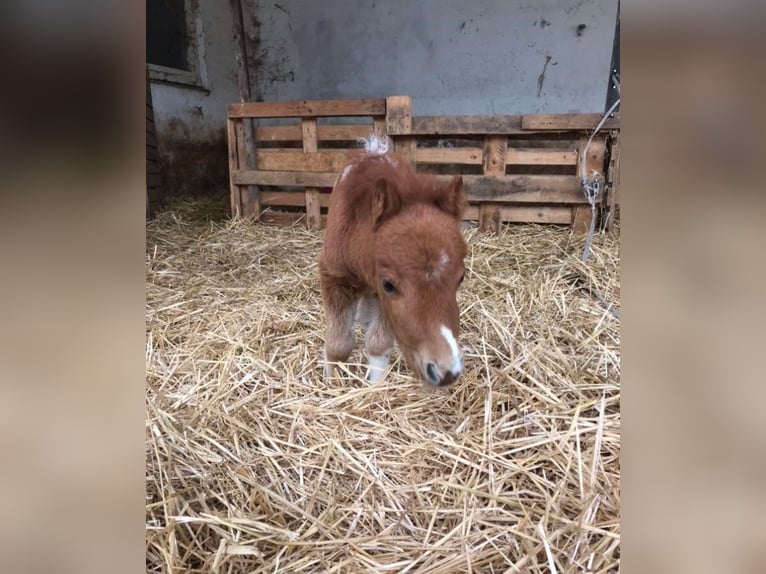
(453,57)
(191,120)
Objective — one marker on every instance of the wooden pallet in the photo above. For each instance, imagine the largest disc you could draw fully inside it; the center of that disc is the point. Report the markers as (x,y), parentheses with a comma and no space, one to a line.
(515,168)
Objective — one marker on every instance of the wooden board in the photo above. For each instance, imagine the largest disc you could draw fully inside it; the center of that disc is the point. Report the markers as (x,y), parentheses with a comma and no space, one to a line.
(493,165)
(465,125)
(398,115)
(234,189)
(287,218)
(523,188)
(502,189)
(308,108)
(325,132)
(250,201)
(313,213)
(565,122)
(294,160)
(526,214)
(467,156)
(520,156)
(291,199)
(284,178)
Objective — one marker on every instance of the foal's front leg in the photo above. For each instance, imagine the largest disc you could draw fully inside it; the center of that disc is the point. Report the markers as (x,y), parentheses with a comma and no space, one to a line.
(378,340)
(340,305)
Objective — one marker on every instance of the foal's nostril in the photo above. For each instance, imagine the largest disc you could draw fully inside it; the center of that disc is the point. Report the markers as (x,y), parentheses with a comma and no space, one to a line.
(432,372)
(448,379)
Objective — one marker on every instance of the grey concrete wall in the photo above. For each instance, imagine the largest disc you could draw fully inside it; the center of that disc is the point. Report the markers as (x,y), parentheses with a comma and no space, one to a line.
(453,57)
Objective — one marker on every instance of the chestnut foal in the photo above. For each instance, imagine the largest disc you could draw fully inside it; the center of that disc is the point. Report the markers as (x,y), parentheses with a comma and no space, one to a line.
(393,259)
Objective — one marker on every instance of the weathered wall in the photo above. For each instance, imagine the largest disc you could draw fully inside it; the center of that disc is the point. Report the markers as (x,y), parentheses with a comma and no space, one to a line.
(191,121)
(452,56)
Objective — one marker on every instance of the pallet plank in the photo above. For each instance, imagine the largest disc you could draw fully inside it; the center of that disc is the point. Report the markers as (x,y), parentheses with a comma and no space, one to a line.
(540,157)
(291,199)
(308,108)
(293,160)
(523,188)
(493,162)
(325,132)
(287,218)
(399,115)
(234,189)
(526,214)
(313,212)
(468,156)
(515,188)
(564,122)
(465,125)
(284,178)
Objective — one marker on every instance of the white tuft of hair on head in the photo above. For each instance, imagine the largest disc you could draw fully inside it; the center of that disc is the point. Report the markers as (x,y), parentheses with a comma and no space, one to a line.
(376,145)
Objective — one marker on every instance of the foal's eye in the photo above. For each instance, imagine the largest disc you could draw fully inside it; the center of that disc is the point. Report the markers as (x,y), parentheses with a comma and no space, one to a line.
(388,287)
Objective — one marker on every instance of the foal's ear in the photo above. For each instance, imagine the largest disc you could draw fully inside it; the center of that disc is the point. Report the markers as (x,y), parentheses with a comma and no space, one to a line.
(452,199)
(386,201)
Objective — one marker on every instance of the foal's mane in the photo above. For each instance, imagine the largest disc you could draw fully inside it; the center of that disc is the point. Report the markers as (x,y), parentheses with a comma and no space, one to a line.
(411,186)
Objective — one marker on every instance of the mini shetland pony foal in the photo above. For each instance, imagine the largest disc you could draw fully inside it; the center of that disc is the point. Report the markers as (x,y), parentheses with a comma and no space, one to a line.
(393,249)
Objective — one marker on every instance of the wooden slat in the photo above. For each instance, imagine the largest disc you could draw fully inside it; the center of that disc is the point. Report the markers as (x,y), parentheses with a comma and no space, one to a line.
(313,212)
(249,196)
(234,189)
(398,115)
(399,126)
(540,157)
(465,125)
(291,199)
(287,218)
(523,188)
(596,155)
(284,178)
(510,188)
(493,161)
(470,156)
(293,160)
(526,214)
(308,108)
(325,132)
(563,122)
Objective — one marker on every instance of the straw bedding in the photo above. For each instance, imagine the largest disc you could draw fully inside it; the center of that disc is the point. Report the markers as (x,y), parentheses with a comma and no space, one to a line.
(254,463)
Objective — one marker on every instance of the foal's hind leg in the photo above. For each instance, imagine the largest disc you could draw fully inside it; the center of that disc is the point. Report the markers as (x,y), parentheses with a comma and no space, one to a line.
(378,340)
(340,305)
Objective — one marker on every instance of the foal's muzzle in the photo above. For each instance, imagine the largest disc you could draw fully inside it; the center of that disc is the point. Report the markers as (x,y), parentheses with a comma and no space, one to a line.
(436,377)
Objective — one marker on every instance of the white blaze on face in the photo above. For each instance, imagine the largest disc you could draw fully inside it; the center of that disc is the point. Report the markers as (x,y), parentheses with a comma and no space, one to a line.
(378,366)
(457,359)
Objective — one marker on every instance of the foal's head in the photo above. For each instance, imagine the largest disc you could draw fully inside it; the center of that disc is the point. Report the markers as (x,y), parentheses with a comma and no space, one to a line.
(419,251)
